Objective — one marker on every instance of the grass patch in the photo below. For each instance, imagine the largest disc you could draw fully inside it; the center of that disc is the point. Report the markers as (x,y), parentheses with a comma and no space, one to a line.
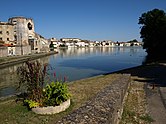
(147,118)
(82,91)
(134,110)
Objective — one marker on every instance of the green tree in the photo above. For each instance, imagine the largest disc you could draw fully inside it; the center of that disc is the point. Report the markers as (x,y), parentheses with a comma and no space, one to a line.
(131,41)
(153,32)
(51,46)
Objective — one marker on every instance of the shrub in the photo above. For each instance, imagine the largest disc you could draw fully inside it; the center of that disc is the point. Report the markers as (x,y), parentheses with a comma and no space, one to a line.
(31,104)
(55,93)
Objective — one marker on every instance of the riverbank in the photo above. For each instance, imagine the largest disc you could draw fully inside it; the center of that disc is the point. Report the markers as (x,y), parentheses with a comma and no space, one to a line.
(82,91)
(12,60)
(148,94)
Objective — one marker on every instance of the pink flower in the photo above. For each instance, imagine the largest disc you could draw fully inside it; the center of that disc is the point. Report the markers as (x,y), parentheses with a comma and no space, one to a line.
(54,74)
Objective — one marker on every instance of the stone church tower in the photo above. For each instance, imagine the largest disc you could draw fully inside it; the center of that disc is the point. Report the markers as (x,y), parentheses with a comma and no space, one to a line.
(23,29)
(19,32)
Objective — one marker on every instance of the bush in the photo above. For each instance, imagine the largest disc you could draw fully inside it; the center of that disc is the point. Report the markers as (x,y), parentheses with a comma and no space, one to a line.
(55,93)
(31,103)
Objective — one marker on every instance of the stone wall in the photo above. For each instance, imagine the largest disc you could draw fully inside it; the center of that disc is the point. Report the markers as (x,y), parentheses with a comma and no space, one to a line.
(3,51)
(25,50)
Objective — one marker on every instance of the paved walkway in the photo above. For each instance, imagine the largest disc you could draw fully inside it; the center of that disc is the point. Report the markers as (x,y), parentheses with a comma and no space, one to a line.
(156,106)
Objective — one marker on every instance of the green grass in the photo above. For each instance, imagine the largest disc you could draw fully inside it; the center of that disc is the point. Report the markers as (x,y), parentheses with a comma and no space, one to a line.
(147,118)
(13,112)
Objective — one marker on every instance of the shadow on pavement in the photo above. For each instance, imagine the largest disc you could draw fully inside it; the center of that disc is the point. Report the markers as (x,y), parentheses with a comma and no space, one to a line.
(152,74)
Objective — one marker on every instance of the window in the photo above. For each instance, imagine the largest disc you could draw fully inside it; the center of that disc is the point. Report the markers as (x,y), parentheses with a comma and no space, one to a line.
(7,39)
(7,32)
(29,26)
(0,32)
(15,37)
(0,38)
(14,21)
(30,37)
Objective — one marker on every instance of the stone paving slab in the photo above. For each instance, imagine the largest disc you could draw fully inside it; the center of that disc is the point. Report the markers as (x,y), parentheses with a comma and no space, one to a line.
(155,105)
(162,91)
(104,108)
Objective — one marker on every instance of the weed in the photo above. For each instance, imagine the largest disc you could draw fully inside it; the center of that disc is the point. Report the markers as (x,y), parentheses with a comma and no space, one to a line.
(147,118)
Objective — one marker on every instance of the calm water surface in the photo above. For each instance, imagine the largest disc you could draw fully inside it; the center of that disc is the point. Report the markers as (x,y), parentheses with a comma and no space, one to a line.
(78,63)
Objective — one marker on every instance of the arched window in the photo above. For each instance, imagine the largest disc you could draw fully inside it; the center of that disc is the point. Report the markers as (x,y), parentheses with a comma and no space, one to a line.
(29,26)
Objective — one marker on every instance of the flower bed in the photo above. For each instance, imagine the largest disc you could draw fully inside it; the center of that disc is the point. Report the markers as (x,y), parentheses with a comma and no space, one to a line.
(52,109)
(50,99)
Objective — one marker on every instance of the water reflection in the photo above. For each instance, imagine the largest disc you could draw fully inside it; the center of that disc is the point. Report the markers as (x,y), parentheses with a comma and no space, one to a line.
(9,80)
(78,63)
(69,52)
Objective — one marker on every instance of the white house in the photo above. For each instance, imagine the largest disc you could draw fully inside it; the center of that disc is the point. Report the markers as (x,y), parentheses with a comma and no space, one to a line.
(70,39)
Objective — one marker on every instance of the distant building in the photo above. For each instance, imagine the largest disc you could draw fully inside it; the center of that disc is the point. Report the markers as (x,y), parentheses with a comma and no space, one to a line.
(127,44)
(20,33)
(107,43)
(70,39)
(54,42)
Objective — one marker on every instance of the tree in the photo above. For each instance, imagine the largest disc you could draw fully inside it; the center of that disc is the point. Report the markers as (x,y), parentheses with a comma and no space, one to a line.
(51,46)
(132,41)
(153,32)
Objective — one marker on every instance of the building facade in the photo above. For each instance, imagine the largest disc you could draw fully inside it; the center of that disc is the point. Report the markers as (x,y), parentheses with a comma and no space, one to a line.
(23,29)
(70,39)
(19,32)
(6,32)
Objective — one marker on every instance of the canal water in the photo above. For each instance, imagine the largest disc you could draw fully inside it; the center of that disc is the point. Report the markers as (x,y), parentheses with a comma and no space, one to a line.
(78,63)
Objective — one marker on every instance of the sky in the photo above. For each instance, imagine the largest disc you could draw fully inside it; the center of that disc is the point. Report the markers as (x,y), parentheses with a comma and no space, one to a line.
(115,20)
